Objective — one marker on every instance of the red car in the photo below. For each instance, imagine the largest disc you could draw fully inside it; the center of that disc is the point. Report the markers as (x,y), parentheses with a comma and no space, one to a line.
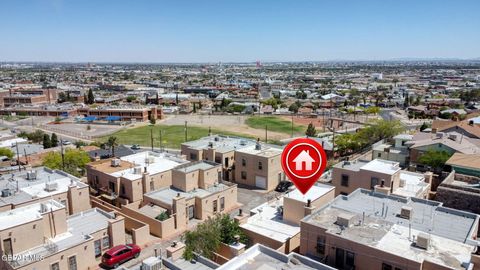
(120,254)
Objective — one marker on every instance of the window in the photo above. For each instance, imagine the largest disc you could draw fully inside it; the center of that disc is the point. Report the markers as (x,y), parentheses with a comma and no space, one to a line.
(373,182)
(403,142)
(122,189)
(193,156)
(152,185)
(111,186)
(320,245)
(260,165)
(344,180)
(215,206)
(244,162)
(72,263)
(379,155)
(106,242)
(386,266)
(222,203)
(350,259)
(55,266)
(244,175)
(98,248)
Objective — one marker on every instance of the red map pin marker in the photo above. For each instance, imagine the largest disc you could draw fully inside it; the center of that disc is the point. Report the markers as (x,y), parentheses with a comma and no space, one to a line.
(303,161)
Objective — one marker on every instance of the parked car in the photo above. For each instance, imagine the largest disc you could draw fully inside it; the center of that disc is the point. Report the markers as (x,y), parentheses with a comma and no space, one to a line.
(66,143)
(113,257)
(283,186)
(135,147)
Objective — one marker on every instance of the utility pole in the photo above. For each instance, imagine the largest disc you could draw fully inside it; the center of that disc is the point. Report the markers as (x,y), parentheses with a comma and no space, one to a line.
(63,155)
(292,126)
(266,133)
(26,156)
(151,138)
(161,143)
(333,142)
(186,132)
(18,158)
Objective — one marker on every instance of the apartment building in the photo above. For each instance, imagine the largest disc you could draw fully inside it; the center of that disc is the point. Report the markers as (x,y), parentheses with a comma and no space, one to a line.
(259,166)
(40,184)
(197,192)
(368,230)
(276,224)
(53,110)
(380,175)
(262,257)
(41,236)
(218,148)
(124,180)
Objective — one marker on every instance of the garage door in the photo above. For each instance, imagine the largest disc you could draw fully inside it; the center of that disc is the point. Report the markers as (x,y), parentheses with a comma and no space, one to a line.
(260,182)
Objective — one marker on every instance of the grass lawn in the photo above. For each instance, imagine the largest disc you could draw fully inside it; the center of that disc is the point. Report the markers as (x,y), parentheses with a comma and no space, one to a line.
(274,123)
(172,136)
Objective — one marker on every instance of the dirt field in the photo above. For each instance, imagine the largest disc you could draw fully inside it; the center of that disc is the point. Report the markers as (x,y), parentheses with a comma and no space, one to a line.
(232,123)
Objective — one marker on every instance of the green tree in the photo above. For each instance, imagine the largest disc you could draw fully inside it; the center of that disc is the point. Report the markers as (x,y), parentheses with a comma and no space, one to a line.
(406,103)
(372,110)
(424,126)
(311,131)
(6,152)
(90,97)
(131,98)
(153,121)
(207,236)
(163,216)
(46,141)
(434,158)
(293,108)
(75,161)
(112,142)
(54,140)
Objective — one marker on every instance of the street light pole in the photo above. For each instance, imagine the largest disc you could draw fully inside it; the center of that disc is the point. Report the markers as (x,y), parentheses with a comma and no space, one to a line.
(186,132)
(151,138)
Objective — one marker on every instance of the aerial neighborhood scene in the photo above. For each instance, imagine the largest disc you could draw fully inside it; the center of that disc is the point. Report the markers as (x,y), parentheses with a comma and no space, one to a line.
(270,135)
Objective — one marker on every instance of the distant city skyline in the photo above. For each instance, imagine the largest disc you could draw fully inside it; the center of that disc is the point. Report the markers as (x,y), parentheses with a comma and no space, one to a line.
(241,31)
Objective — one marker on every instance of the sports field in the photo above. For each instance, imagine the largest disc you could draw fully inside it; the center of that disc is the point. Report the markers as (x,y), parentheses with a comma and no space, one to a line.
(275,124)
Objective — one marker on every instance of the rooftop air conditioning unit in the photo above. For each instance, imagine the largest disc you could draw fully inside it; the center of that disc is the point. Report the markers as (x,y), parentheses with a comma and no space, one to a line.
(406,212)
(210,144)
(152,263)
(345,220)
(439,135)
(31,175)
(217,139)
(423,240)
(115,162)
(243,142)
(51,186)
(6,192)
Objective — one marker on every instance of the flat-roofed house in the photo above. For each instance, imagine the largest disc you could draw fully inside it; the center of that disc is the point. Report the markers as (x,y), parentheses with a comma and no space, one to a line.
(41,236)
(276,224)
(381,175)
(368,230)
(125,180)
(42,184)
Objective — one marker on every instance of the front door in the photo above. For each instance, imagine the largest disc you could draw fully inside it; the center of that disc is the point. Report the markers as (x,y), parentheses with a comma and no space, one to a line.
(191,212)
(7,246)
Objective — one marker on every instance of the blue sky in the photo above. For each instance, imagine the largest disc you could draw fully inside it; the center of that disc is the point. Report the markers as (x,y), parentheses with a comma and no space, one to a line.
(242,30)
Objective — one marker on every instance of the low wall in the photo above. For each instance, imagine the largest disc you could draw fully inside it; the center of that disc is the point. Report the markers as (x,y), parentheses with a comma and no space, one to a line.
(140,231)
(158,228)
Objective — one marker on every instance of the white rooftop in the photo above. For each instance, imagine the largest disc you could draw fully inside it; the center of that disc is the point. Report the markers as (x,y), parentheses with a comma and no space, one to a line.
(414,184)
(315,192)
(267,221)
(382,166)
(154,162)
(29,213)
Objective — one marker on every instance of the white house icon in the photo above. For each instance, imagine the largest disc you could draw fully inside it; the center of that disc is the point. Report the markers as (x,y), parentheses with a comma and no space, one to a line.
(303,157)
